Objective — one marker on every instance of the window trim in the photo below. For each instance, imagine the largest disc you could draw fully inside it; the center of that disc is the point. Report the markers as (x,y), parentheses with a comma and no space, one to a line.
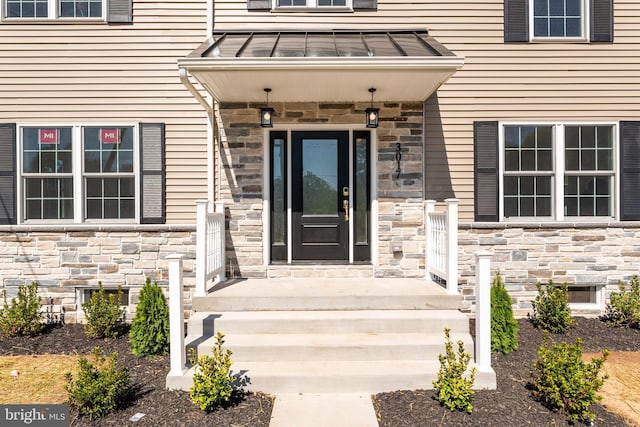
(599,292)
(586,26)
(77,173)
(557,185)
(83,295)
(53,14)
(311,6)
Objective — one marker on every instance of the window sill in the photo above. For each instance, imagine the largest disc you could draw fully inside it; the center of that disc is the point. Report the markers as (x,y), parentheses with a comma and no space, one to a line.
(566,220)
(328,9)
(586,308)
(543,40)
(549,224)
(60,21)
(62,228)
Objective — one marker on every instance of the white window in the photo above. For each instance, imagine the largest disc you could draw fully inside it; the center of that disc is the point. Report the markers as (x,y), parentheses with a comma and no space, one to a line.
(78,173)
(319,4)
(559,19)
(558,171)
(54,9)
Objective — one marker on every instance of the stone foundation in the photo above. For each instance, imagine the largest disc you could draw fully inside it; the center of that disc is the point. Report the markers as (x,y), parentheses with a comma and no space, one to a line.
(598,254)
(64,260)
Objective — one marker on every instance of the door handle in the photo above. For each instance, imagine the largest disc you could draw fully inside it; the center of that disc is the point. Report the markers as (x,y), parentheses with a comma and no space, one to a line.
(345,205)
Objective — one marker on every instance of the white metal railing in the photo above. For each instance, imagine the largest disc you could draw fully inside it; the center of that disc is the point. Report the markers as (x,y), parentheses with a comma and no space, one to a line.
(210,245)
(441,251)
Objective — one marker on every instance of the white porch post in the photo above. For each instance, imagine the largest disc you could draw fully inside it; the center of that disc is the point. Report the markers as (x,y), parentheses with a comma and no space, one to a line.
(201,248)
(452,246)
(483,311)
(223,249)
(176,317)
(429,207)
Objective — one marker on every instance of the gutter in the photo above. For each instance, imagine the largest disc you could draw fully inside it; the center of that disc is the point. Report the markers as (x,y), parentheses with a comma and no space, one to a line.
(184,78)
(357,63)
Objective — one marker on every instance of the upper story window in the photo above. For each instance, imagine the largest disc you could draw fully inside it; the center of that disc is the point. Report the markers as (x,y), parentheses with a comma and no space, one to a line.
(311,5)
(558,20)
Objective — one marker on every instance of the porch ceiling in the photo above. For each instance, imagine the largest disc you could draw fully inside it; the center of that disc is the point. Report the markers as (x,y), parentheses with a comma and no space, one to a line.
(327,66)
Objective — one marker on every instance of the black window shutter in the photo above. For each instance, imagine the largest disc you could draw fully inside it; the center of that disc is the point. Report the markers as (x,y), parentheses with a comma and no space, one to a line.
(152,174)
(485,176)
(601,20)
(365,4)
(516,21)
(8,173)
(630,171)
(120,11)
(259,4)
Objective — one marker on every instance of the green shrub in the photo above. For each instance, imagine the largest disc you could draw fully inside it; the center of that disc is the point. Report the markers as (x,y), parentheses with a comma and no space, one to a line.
(624,308)
(105,317)
(99,386)
(564,382)
(453,389)
(551,310)
(150,328)
(212,380)
(22,316)
(504,327)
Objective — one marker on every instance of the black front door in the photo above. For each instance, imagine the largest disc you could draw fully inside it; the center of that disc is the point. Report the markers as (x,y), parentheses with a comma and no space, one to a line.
(320,195)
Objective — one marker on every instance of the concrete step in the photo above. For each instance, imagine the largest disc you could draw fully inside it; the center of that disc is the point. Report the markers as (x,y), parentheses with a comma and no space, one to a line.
(334,347)
(327,294)
(336,376)
(334,321)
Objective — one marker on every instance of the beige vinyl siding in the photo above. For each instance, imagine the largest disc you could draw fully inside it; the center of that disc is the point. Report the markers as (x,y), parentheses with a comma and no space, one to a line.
(58,72)
(513,81)
(522,81)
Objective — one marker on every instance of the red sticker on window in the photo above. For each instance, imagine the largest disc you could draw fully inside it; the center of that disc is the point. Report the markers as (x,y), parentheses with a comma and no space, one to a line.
(110,136)
(48,136)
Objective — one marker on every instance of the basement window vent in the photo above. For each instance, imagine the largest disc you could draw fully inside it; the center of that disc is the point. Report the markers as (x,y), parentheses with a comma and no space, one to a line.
(84,295)
(585,297)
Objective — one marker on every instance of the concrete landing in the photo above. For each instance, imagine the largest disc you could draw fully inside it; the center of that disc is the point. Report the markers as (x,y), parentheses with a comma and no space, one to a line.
(327,294)
(323,410)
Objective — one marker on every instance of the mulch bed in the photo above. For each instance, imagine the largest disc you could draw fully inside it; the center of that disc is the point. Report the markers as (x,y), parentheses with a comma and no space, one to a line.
(511,404)
(160,406)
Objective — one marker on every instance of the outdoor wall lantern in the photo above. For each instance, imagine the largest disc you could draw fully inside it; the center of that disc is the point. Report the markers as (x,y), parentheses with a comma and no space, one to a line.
(373,114)
(266,113)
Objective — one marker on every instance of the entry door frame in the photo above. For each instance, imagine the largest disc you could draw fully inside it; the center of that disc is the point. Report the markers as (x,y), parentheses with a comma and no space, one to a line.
(266,208)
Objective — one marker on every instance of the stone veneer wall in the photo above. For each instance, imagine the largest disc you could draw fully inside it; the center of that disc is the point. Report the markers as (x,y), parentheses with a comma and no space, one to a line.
(580,254)
(64,259)
(399,198)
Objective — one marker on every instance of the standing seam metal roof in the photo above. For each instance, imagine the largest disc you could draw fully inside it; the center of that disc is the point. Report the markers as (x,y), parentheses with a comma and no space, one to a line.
(309,44)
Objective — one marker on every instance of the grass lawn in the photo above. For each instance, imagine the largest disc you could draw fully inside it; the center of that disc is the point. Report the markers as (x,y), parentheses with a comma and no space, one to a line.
(40,378)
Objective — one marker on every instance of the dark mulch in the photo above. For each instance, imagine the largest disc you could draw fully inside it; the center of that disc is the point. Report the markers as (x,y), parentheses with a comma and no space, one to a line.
(512,403)
(160,406)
